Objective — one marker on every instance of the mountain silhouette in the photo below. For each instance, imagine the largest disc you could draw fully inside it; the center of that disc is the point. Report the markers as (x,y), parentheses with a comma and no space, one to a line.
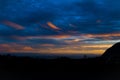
(112,55)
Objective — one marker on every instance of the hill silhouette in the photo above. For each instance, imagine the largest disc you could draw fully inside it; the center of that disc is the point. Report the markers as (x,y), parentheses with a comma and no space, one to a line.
(112,55)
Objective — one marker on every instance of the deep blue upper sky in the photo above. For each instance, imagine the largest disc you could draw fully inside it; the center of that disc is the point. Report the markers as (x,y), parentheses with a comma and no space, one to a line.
(81,13)
(32,18)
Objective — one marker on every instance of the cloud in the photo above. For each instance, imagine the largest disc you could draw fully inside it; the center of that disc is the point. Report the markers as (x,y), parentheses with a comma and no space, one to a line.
(104,42)
(13,25)
(103,35)
(97,46)
(27,48)
(52,26)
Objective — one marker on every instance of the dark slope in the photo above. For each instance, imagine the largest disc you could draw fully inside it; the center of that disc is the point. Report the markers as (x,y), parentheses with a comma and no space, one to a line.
(112,55)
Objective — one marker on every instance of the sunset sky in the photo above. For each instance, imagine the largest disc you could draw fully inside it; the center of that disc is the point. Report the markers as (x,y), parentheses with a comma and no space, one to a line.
(59,26)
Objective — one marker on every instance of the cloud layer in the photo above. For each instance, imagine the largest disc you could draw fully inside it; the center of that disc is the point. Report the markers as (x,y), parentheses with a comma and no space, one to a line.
(65,26)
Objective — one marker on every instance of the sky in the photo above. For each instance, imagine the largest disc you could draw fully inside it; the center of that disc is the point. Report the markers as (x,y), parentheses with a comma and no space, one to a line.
(59,26)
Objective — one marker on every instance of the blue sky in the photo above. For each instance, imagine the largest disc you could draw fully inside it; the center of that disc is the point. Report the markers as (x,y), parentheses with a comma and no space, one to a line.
(59,27)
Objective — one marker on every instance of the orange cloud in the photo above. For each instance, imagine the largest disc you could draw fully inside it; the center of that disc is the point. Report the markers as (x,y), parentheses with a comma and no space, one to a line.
(27,48)
(5,45)
(76,40)
(12,50)
(60,36)
(53,26)
(102,35)
(13,25)
(47,37)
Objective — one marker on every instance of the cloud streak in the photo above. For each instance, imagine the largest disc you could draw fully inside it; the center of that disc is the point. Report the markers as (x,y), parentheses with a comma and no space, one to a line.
(52,26)
(13,25)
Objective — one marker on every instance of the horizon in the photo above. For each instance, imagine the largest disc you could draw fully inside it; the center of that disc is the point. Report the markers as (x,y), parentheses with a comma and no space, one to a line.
(65,27)
(51,56)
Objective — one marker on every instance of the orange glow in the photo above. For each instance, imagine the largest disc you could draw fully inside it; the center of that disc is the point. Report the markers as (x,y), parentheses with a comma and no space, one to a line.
(97,46)
(54,50)
(96,51)
(60,36)
(53,26)
(13,25)
(27,48)
(68,51)
(12,50)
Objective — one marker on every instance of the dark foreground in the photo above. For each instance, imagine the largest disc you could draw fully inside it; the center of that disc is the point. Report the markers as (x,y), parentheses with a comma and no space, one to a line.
(25,68)
(106,67)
